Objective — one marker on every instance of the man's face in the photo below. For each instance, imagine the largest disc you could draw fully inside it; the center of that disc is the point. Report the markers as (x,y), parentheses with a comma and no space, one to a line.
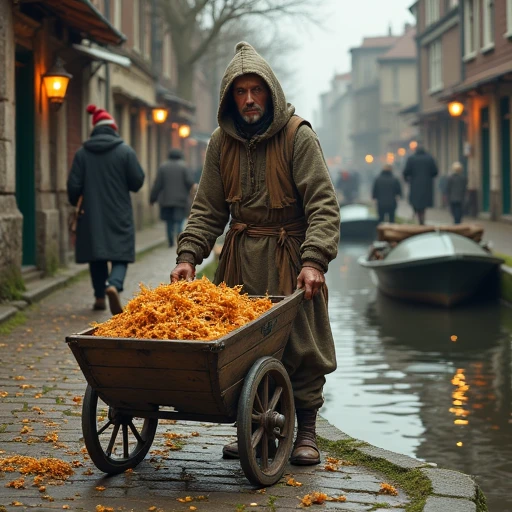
(251,95)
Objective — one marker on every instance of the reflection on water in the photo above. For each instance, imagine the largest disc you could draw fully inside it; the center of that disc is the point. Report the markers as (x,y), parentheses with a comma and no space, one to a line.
(432,383)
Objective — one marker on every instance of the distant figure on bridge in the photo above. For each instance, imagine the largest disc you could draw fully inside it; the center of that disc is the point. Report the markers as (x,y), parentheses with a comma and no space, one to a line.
(420,171)
(456,187)
(386,189)
(104,172)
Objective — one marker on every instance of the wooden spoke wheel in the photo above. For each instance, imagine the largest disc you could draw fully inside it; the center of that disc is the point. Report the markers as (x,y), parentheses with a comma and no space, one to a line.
(265,422)
(115,440)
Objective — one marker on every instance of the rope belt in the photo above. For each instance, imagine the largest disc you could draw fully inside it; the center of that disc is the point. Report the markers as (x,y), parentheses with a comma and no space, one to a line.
(289,236)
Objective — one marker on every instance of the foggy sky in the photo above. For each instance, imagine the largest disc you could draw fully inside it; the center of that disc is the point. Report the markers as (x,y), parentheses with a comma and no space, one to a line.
(325,51)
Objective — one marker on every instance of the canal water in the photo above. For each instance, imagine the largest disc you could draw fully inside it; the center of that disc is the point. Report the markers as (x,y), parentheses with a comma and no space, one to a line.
(430,383)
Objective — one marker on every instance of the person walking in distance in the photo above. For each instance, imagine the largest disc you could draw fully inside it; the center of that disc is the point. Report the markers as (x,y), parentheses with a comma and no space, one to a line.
(104,172)
(172,189)
(386,189)
(456,187)
(265,170)
(420,171)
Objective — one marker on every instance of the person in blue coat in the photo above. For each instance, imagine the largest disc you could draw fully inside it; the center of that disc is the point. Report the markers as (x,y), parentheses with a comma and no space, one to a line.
(104,172)
(420,171)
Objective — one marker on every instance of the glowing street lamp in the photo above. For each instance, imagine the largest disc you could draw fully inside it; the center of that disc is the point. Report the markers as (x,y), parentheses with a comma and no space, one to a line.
(159,115)
(56,82)
(455,108)
(368,159)
(401,151)
(184,131)
(413,145)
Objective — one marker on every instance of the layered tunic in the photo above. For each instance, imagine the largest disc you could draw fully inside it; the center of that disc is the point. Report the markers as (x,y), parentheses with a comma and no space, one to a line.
(307,222)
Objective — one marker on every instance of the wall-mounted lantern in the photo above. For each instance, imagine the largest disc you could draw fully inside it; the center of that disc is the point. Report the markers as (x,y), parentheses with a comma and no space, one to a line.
(184,131)
(160,115)
(455,108)
(368,159)
(56,82)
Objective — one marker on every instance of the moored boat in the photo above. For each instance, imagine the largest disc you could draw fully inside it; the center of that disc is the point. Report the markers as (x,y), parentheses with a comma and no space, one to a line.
(438,266)
(357,222)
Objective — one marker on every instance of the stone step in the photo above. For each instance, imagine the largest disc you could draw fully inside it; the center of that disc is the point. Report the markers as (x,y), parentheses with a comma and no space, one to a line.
(31,274)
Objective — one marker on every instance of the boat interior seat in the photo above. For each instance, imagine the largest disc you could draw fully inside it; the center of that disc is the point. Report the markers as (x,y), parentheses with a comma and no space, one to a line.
(389,232)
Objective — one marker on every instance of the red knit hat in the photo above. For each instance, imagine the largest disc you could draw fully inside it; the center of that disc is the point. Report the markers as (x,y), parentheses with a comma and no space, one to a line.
(101,117)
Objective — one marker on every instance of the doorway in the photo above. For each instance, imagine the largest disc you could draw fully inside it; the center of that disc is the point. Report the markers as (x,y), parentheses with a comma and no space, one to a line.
(25,153)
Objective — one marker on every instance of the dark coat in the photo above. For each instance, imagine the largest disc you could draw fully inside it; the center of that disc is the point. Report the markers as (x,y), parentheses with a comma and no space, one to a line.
(420,171)
(105,170)
(172,185)
(386,188)
(456,186)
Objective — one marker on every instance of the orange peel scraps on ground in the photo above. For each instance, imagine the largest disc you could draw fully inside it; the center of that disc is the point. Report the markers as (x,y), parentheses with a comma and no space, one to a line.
(185,310)
(51,468)
(388,489)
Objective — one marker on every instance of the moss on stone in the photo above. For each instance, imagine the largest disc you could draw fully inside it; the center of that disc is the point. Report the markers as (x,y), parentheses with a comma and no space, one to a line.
(13,322)
(11,284)
(417,486)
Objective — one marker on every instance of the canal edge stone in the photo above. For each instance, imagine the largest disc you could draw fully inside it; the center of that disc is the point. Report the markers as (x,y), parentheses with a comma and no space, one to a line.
(451,490)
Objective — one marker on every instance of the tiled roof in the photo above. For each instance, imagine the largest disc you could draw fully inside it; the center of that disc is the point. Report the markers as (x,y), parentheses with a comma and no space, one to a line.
(378,42)
(404,47)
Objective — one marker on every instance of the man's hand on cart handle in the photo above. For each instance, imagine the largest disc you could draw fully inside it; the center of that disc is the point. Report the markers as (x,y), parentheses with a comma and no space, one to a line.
(311,280)
(183,271)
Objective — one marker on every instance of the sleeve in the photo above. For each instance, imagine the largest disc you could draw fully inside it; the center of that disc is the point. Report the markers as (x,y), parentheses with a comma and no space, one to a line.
(448,187)
(75,183)
(134,173)
(188,177)
(157,187)
(210,211)
(316,190)
(435,170)
(408,170)
(398,188)
(374,189)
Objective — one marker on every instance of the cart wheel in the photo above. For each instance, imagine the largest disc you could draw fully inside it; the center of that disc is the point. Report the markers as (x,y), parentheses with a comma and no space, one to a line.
(265,422)
(115,441)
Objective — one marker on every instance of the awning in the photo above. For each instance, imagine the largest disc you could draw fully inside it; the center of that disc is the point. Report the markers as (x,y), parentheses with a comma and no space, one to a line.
(166,95)
(485,77)
(103,55)
(86,19)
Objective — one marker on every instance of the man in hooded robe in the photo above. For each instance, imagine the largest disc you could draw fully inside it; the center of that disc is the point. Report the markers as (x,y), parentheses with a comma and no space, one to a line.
(264,172)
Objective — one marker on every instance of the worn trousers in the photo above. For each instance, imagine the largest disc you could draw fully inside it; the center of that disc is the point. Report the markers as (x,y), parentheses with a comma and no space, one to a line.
(101,277)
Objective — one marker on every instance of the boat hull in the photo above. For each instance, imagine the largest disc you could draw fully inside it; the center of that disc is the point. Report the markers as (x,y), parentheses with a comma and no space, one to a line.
(445,282)
(363,229)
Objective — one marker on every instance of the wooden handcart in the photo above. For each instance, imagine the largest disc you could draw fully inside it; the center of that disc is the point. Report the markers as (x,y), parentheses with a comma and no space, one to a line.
(239,377)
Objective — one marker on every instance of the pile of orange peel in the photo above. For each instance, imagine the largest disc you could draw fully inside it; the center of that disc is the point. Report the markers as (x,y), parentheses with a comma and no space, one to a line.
(184,310)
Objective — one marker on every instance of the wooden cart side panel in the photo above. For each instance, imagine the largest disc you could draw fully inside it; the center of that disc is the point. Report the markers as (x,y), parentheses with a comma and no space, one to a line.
(145,358)
(232,394)
(82,362)
(162,379)
(237,368)
(242,345)
(147,399)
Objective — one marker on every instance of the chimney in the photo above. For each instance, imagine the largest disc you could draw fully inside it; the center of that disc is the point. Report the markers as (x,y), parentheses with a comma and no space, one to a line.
(390,30)
(407,27)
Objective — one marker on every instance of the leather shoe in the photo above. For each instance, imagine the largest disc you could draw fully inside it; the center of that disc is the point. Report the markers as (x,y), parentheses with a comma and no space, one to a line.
(113,300)
(230,451)
(99,305)
(305,453)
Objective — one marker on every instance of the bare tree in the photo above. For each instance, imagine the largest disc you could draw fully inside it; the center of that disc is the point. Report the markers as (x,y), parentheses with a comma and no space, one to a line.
(195,25)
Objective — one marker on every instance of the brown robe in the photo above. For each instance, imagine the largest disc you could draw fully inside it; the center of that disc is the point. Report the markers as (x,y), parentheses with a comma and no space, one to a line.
(309,354)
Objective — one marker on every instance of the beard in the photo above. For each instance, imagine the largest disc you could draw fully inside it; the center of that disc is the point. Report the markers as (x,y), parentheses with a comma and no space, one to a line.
(253,117)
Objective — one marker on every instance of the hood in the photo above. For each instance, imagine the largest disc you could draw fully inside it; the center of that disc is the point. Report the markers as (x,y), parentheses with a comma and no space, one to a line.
(245,61)
(103,139)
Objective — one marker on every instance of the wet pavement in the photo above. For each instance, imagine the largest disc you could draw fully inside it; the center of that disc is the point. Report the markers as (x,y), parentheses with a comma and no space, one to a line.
(42,388)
